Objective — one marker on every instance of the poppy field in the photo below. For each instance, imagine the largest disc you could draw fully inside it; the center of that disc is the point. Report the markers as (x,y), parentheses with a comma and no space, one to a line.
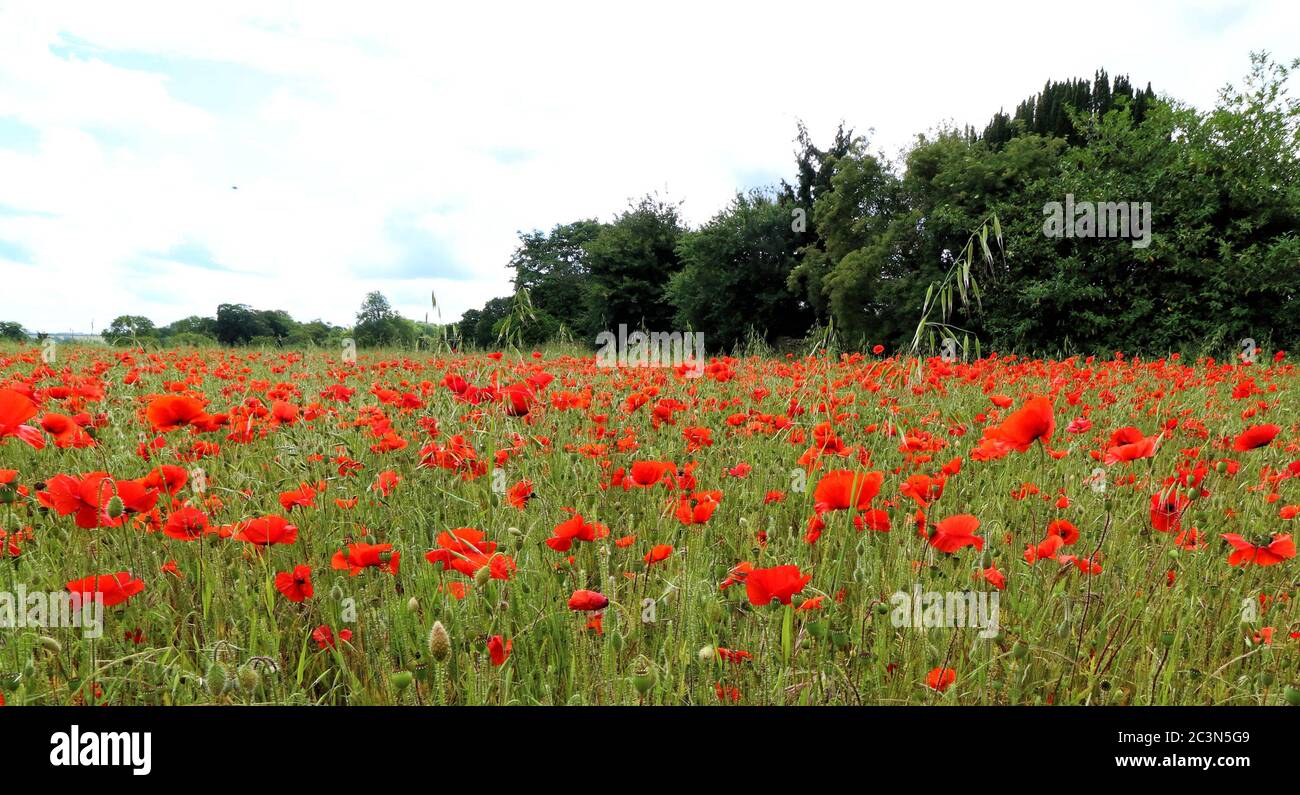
(265,526)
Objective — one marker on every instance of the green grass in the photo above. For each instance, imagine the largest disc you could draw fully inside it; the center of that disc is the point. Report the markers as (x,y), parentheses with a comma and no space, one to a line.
(1124,636)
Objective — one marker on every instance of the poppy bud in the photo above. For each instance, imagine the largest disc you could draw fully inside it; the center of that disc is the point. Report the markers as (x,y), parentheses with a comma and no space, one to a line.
(7,495)
(1293,696)
(705,653)
(413,605)
(115,507)
(249,679)
(336,593)
(1167,639)
(482,576)
(1267,679)
(1020,650)
(50,644)
(215,681)
(881,608)
(439,642)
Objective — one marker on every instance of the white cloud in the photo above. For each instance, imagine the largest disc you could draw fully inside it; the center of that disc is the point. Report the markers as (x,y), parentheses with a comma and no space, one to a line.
(384,140)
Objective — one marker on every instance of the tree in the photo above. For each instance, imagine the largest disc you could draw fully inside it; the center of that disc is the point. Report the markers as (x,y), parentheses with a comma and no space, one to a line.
(734,274)
(193,324)
(630,262)
(552,267)
(378,324)
(237,324)
(12,332)
(127,329)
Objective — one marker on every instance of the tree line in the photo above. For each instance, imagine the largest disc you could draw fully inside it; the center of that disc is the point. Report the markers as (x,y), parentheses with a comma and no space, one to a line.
(849,250)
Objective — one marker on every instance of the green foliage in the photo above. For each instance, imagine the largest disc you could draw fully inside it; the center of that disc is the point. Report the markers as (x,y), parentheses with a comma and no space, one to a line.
(552,268)
(630,263)
(130,329)
(734,274)
(379,325)
(12,332)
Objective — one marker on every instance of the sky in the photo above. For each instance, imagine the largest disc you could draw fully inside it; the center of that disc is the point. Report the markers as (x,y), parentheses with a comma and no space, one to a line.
(162,158)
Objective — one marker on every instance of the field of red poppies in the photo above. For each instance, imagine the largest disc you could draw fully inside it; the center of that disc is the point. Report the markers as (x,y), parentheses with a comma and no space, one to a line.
(269,526)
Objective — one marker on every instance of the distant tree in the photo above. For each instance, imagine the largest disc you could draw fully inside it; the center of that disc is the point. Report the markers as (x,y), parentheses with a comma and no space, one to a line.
(12,332)
(630,262)
(191,339)
(314,333)
(378,324)
(126,329)
(237,324)
(552,267)
(486,329)
(734,274)
(467,328)
(193,324)
(278,323)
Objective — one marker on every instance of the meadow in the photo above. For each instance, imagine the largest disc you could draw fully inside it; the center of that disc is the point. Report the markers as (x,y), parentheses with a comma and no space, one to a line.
(530,528)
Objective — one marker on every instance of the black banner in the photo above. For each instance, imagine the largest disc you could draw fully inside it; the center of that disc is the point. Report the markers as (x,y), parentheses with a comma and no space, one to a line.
(260,745)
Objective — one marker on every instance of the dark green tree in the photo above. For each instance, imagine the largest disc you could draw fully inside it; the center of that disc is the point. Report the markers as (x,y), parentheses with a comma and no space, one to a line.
(630,262)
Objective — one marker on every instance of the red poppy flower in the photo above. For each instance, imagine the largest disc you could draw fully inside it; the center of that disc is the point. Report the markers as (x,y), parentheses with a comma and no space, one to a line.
(575,528)
(499,649)
(940,679)
(661,552)
(585,601)
(15,410)
(116,588)
(268,530)
(1279,549)
(186,524)
(1257,436)
(1032,422)
(358,556)
(956,532)
(169,412)
(779,583)
(295,585)
(847,490)
(324,636)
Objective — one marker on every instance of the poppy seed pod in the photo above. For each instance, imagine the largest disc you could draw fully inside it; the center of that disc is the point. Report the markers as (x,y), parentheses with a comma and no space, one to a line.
(1293,696)
(439,642)
(643,675)
(401,680)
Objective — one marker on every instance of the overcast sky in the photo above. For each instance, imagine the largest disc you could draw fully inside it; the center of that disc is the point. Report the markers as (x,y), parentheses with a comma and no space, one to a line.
(162,158)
